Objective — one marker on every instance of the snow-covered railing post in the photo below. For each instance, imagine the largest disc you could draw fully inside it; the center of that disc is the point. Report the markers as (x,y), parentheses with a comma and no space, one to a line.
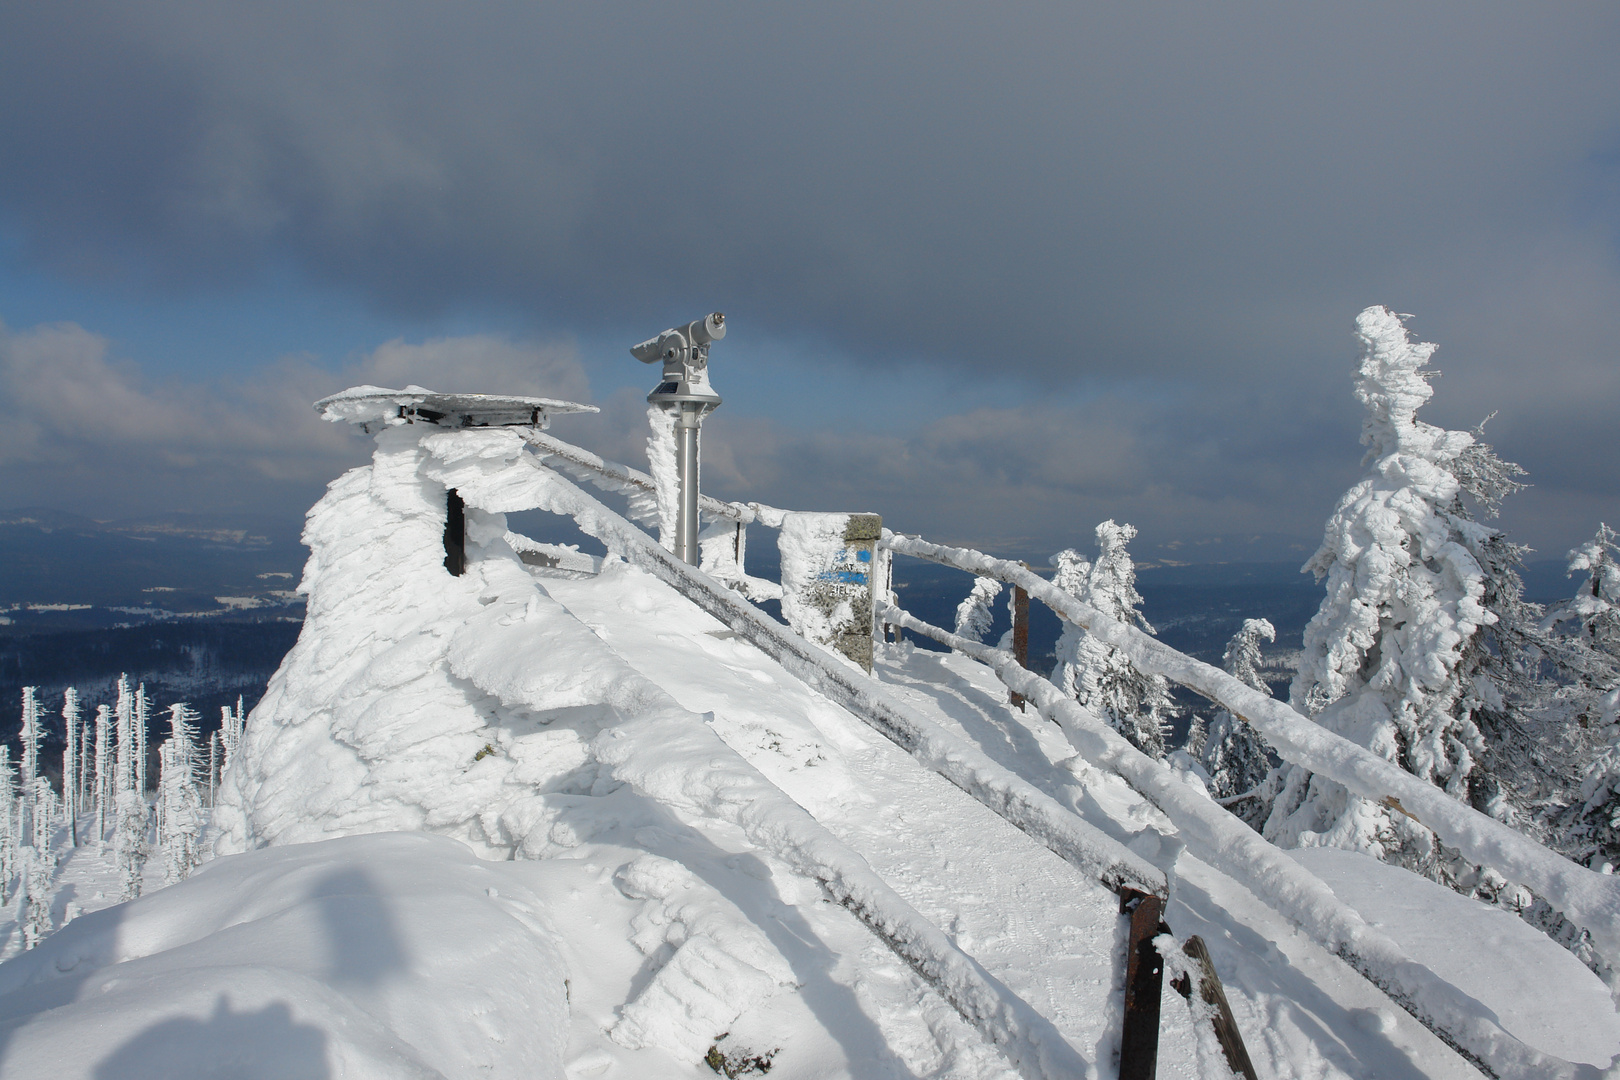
(827,579)
(455,533)
(1020,636)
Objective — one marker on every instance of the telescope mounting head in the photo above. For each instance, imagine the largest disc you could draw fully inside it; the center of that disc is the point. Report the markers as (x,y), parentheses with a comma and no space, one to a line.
(684,352)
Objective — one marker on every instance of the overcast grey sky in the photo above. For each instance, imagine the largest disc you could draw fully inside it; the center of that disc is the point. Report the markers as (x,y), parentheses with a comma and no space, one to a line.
(996,271)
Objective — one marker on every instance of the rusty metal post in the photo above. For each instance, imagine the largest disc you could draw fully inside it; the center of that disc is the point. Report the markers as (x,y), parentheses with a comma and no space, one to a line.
(1144,985)
(1020,629)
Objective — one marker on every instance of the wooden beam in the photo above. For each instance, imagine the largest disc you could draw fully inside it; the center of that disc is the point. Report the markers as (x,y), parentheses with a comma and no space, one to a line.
(1213,993)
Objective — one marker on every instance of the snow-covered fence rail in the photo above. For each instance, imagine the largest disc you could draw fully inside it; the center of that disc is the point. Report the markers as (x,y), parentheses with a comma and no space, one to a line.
(1283,884)
(612,476)
(726,783)
(1585,897)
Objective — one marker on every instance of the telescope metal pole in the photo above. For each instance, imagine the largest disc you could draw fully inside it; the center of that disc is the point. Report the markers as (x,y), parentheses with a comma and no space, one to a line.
(686,463)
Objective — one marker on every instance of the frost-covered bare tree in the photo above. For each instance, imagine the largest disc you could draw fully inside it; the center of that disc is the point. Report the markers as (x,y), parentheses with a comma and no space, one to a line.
(131,821)
(1231,752)
(102,780)
(70,761)
(1137,705)
(232,723)
(28,737)
(973,614)
(1406,655)
(9,841)
(180,807)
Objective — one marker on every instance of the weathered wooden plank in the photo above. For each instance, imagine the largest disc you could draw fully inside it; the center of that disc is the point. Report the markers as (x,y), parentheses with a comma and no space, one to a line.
(1213,993)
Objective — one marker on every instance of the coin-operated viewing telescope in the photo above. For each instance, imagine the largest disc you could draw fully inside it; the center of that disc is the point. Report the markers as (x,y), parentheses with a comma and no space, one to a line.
(685,392)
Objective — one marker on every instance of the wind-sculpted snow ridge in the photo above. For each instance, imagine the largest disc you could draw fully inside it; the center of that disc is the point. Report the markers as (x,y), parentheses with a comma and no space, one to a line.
(1272,875)
(300,961)
(1587,898)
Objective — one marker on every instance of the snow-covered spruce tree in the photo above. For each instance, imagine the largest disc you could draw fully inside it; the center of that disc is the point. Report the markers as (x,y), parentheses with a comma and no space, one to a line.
(130,822)
(139,721)
(1231,752)
(101,781)
(1588,829)
(232,723)
(1136,705)
(1394,659)
(180,814)
(39,862)
(70,762)
(28,737)
(9,854)
(973,614)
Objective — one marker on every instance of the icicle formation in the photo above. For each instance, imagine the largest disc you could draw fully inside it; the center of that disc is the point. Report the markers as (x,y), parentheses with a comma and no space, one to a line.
(180,816)
(973,615)
(1138,706)
(1382,663)
(1231,752)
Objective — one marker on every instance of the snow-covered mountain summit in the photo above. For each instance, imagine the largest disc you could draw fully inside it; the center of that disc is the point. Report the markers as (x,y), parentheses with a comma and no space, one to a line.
(565,815)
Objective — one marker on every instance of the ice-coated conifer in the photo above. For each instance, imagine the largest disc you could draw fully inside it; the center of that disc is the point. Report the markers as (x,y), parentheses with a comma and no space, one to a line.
(180,808)
(1098,675)
(39,866)
(230,732)
(70,762)
(9,854)
(973,614)
(139,720)
(1595,607)
(131,821)
(102,790)
(28,737)
(1230,750)
(1390,658)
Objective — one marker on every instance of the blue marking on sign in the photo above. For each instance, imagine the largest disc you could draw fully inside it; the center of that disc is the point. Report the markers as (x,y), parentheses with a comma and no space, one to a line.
(862,555)
(847,577)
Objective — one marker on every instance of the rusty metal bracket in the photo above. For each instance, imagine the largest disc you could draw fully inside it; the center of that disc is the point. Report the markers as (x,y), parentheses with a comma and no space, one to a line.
(1144,985)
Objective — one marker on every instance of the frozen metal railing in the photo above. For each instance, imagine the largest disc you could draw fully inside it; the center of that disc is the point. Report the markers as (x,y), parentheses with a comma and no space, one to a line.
(1585,897)
(1283,884)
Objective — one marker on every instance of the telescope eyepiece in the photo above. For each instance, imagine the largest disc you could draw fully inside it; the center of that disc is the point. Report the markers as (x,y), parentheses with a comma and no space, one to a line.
(672,343)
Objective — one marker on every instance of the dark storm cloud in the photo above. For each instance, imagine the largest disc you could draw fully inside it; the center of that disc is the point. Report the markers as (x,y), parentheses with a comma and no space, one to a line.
(1058,187)
(1196,198)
